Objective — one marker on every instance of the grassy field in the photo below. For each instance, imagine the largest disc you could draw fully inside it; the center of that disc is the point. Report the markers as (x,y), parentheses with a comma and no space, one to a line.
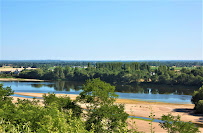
(13,69)
(51,68)
(176,68)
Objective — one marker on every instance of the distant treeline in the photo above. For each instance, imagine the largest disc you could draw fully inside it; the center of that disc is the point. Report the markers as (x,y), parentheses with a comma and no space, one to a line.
(120,73)
(51,63)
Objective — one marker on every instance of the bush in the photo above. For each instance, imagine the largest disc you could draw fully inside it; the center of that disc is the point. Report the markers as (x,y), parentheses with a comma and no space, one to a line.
(173,125)
(99,98)
(199,107)
(40,118)
(64,103)
(197,96)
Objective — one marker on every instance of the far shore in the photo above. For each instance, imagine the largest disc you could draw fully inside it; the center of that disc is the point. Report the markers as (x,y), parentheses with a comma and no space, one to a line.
(143,108)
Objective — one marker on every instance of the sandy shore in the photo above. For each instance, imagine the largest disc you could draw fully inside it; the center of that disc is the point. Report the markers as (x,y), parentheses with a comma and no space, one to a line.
(19,79)
(144,108)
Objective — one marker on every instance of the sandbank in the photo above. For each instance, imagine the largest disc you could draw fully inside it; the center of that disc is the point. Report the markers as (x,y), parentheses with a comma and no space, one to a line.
(144,108)
(20,79)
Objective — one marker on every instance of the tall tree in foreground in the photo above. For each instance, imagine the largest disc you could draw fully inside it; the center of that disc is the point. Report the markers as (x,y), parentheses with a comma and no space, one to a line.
(99,98)
(197,99)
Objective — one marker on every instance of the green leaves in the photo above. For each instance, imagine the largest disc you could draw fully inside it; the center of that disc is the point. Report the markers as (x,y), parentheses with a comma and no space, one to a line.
(199,107)
(173,124)
(62,103)
(97,92)
(99,98)
(197,99)
(5,92)
(4,95)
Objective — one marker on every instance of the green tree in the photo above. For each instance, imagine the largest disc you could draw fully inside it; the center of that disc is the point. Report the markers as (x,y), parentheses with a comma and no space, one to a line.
(4,95)
(174,125)
(36,74)
(198,96)
(99,98)
(58,72)
(199,107)
(62,103)
(154,78)
(67,71)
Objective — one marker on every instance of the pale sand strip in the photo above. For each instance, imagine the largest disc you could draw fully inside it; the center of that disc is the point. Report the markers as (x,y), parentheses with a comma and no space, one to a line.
(20,79)
(72,96)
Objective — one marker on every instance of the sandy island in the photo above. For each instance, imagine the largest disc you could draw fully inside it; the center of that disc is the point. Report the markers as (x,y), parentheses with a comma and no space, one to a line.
(20,79)
(143,109)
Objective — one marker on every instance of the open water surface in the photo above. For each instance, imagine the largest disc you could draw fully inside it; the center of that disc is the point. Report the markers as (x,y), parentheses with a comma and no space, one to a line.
(145,92)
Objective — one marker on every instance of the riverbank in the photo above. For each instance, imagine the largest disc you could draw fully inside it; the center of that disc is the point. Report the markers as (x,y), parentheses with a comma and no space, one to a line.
(144,108)
(141,125)
(123,101)
(20,79)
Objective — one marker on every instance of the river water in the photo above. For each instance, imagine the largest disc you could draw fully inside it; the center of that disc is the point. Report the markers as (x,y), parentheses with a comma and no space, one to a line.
(145,92)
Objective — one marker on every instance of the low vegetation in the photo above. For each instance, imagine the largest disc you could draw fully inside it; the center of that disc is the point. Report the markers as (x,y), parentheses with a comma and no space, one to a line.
(173,125)
(197,99)
(119,73)
(163,72)
(61,114)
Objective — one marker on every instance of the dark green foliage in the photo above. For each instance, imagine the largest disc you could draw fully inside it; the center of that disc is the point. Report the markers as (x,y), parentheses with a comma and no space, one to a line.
(59,113)
(4,95)
(173,125)
(116,72)
(5,92)
(107,118)
(64,103)
(197,99)
(98,92)
(28,115)
(199,107)
(198,95)
(154,78)
(32,74)
(99,98)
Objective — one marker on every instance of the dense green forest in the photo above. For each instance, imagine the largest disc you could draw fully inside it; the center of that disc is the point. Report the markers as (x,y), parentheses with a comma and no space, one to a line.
(61,114)
(51,63)
(118,73)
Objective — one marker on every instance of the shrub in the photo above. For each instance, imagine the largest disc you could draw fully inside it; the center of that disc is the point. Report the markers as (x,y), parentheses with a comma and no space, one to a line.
(199,107)
(197,96)
(64,103)
(173,125)
(99,98)
(4,95)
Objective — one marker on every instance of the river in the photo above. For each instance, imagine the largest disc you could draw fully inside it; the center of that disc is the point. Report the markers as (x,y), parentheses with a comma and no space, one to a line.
(145,92)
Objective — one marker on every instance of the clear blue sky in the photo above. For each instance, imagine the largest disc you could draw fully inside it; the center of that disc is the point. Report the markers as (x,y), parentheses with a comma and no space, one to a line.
(101,30)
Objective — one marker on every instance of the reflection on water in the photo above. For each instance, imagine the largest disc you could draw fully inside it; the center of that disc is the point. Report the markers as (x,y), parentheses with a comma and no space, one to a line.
(65,86)
(157,89)
(142,88)
(149,92)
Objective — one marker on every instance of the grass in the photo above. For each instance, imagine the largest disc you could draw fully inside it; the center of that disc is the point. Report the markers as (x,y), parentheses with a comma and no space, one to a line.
(51,68)
(141,119)
(154,68)
(12,69)
(176,68)
(136,101)
(8,77)
(179,68)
